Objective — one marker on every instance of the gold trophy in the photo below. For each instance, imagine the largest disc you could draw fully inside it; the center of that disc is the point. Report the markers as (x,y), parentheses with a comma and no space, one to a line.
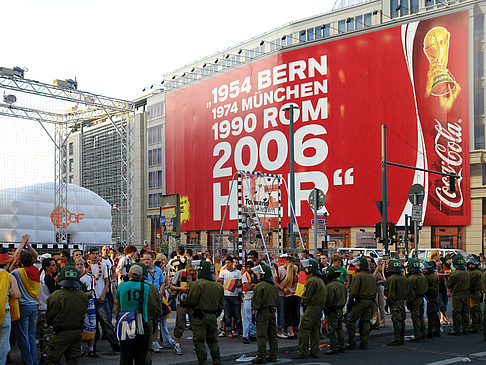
(440,82)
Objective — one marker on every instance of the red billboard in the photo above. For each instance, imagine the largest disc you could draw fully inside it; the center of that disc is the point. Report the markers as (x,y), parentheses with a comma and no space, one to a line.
(413,78)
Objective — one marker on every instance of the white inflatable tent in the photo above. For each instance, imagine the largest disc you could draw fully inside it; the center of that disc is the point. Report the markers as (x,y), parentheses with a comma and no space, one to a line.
(28,210)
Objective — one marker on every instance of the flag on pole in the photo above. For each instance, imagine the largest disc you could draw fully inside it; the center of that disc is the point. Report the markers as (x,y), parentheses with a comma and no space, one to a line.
(301,283)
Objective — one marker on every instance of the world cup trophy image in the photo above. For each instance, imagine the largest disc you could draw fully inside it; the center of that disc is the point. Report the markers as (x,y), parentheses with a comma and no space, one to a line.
(440,82)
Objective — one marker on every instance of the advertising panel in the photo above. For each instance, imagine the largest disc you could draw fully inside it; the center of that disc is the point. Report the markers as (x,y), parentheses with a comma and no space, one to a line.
(412,77)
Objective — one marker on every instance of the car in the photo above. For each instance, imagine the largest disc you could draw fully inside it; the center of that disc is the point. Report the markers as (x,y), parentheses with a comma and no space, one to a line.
(423,254)
(359,251)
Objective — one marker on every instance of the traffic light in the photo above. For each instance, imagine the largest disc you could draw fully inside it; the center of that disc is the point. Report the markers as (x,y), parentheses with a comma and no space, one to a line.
(452,184)
(391,229)
(378,230)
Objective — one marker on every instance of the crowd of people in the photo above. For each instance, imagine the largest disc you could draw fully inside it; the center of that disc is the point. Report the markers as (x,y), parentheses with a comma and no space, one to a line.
(63,304)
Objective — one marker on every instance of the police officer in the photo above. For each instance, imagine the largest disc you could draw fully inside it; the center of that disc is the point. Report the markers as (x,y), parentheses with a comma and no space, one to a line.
(459,284)
(417,287)
(205,298)
(66,309)
(432,296)
(396,288)
(475,290)
(313,301)
(264,303)
(335,301)
(362,293)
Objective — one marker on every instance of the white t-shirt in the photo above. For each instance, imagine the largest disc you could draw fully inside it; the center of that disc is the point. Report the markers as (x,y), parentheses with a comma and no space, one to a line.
(246,294)
(227,275)
(99,285)
(124,263)
(88,280)
(109,264)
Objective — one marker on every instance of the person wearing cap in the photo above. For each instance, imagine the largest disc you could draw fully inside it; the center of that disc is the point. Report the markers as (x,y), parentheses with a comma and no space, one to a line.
(362,293)
(396,288)
(128,296)
(180,283)
(475,290)
(264,302)
(335,301)
(459,284)
(249,280)
(313,300)
(417,287)
(8,289)
(432,297)
(154,311)
(206,301)
(66,309)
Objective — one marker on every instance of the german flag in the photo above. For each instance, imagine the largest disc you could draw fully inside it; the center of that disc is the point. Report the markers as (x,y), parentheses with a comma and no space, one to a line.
(230,285)
(301,283)
(351,270)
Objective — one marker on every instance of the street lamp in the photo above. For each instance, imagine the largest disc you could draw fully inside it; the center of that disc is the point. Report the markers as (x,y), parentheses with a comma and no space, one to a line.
(291,108)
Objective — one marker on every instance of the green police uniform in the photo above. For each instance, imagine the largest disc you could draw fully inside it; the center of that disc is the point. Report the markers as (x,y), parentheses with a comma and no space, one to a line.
(66,309)
(205,298)
(417,287)
(475,302)
(483,288)
(313,300)
(335,301)
(396,288)
(264,301)
(459,284)
(361,296)
(432,296)
(154,312)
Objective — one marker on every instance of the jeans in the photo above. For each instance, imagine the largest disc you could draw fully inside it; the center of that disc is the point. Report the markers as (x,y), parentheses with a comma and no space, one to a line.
(104,318)
(134,351)
(443,300)
(281,312)
(26,333)
(232,308)
(5,338)
(164,333)
(249,329)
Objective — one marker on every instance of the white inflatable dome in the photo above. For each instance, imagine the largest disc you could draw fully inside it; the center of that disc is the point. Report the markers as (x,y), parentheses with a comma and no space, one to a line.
(28,209)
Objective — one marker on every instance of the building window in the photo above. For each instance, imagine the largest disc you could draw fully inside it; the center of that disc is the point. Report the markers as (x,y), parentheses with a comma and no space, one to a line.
(153,200)
(341,26)
(414,6)
(154,134)
(447,237)
(326,30)
(302,36)
(71,178)
(155,111)
(318,32)
(310,34)
(359,22)
(71,148)
(394,9)
(150,158)
(350,24)
(71,165)
(367,20)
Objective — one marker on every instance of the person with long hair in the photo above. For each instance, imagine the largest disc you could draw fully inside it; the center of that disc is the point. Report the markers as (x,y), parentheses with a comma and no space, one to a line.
(291,301)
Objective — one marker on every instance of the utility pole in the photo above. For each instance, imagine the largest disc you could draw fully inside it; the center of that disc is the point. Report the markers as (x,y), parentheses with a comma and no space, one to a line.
(384,191)
(293,245)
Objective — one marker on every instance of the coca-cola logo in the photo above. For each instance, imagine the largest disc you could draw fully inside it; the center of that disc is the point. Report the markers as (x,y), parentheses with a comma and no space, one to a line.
(448,146)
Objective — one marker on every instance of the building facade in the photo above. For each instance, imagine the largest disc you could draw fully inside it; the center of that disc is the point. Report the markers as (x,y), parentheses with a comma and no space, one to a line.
(335,30)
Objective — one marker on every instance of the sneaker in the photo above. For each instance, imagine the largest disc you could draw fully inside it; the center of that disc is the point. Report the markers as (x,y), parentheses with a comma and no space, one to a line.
(156,346)
(178,349)
(222,334)
(235,333)
(282,335)
(93,354)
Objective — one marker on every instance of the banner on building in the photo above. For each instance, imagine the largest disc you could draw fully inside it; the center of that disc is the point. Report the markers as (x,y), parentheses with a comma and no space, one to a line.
(413,78)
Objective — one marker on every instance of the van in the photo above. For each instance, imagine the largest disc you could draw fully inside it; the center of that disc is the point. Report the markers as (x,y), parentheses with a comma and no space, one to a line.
(357,251)
(423,254)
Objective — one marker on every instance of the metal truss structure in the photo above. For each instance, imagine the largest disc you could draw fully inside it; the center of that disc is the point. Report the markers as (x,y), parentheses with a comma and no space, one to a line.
(89,109)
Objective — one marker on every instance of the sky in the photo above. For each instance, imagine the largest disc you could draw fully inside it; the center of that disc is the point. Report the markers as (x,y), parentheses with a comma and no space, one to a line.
(116,49)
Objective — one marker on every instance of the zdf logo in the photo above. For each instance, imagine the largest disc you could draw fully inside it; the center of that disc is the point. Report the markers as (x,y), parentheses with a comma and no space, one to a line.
(61,217)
